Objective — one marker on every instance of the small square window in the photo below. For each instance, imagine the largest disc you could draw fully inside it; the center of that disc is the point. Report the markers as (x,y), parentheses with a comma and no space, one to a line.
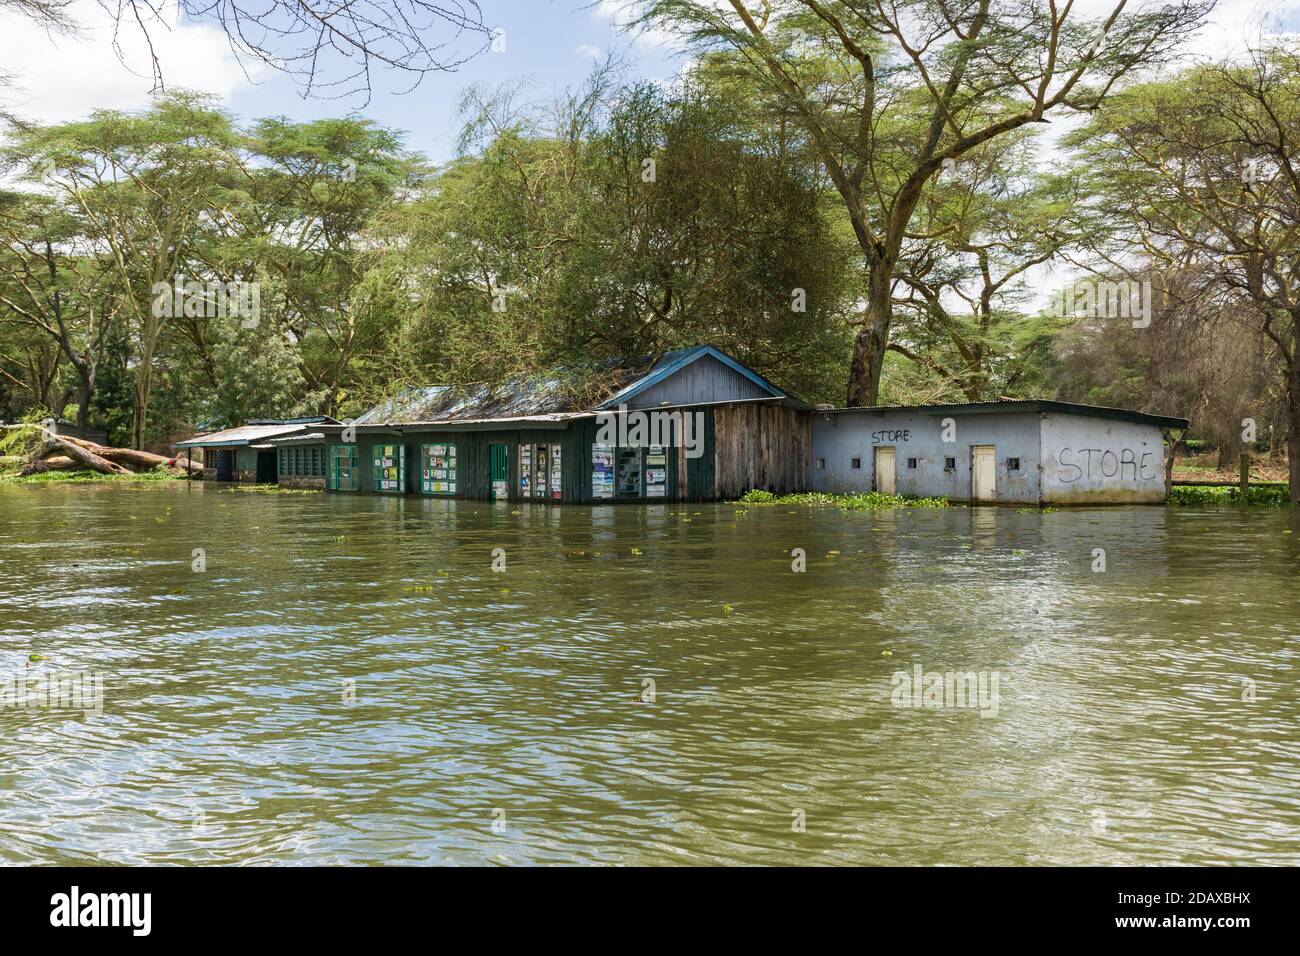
(911,463)
(821,462)
(857,463)
(1013,464)
(950,464)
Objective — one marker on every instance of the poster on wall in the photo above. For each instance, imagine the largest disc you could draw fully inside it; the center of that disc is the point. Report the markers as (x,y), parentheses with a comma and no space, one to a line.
(656,473)
(525,469)
(438,470)
(556,473)
(602,471)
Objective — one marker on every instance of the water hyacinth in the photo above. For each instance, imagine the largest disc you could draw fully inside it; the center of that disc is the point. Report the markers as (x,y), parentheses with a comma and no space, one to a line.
(858,501)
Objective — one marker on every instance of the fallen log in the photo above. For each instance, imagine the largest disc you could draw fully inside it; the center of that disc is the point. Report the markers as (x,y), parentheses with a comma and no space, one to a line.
(54,463)
(82,456)
(124,456)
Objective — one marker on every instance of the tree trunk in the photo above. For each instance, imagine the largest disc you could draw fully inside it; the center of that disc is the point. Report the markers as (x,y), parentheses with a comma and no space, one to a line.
(55,463)
(1293,431)
(137,422)
(122,456)
(85,392)
(872,339)
(83,457)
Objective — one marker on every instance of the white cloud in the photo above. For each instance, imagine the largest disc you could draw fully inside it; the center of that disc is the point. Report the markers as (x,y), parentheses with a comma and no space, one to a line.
(58,78)
(588,52)
(621,13)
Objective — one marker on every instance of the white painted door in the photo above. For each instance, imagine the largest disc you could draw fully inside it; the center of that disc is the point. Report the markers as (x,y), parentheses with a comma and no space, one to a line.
(984,473)
(886,473)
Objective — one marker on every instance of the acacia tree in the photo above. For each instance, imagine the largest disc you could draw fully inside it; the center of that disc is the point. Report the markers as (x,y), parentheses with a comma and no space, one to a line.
(55,284)
(889,93)
(628,221)
(1204,171)
(29,363)
(307,192)
(979,231)
(144,185)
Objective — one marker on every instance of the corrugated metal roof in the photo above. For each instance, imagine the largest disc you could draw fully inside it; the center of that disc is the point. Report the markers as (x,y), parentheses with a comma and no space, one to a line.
(243,435)
(1022,405)
(306,438)
(542,396)
(518,398)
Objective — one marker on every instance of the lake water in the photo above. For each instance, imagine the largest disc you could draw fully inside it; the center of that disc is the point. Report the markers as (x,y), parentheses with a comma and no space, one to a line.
(350,681)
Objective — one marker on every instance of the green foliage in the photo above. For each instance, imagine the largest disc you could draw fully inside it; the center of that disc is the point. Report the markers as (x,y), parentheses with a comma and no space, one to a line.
(553,247)
(1272,495)
(859,501)
(160,473)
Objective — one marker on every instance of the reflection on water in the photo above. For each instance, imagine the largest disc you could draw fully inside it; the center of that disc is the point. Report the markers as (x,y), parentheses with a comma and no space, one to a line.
(349,681)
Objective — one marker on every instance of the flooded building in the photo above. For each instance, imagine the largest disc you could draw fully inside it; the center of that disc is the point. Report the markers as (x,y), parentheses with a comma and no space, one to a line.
(697,425)
(1030,452)
(244,453)
(689,425)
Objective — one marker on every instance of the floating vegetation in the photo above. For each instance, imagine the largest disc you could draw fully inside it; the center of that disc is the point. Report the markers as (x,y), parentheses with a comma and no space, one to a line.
(275,490)
(861,501)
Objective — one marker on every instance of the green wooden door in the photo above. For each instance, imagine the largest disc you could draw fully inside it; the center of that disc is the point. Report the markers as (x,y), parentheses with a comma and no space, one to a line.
(500,471)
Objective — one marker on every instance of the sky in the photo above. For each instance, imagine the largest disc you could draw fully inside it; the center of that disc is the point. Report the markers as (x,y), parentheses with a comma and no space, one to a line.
(550,44)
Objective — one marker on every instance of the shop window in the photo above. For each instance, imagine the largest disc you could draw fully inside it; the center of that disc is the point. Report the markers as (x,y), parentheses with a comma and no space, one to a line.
(389,464)
(627,472)
(540,472)
(438,466)
(345,468)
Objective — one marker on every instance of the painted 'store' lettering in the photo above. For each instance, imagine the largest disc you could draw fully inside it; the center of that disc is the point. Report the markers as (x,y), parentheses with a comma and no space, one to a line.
(1080,463)
(890,436)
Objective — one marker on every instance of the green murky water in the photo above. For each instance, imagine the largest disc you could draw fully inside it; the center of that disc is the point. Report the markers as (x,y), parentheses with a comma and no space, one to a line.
(505,717)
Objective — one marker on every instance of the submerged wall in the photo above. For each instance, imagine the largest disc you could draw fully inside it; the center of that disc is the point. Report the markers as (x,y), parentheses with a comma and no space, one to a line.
(841,438)
(1096,460)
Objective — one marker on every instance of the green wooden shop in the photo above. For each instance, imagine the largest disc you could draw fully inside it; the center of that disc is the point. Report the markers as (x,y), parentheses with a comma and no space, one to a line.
(696,425)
